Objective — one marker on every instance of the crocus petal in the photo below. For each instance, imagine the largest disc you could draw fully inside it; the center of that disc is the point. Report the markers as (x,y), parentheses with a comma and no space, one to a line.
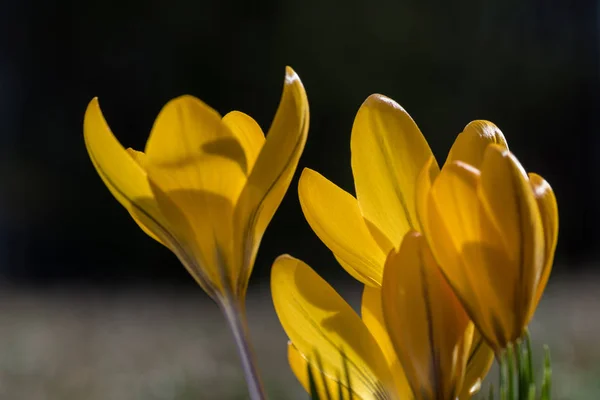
(546,202)
(272,172)
(321,324)
(507,195)
(470,250)
(335,217)
(469,146)
(125,176)
(372,315)
(140,158)
(248,134)
(424,183)
(464,242)
(199,166)
(426,323)
(388,152)
(327,386)
(481,357)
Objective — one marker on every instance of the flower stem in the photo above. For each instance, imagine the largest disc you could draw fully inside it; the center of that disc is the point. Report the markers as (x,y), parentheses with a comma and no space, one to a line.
(235,315)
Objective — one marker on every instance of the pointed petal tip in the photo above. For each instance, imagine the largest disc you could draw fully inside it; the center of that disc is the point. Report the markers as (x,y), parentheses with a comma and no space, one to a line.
(377,99)
(290,75)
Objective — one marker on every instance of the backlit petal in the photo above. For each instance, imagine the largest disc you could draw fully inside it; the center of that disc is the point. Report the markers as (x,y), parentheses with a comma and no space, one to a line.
(321,324)
(471,252)
(481,357)
(273,170)
(546,202)
(424,183)
(507,195)
(388,153)
(335,217)
(123,176)
(469,146)
(372,315)
(200,166)
(426,322)
(248,134)
(326,385)
(139,157)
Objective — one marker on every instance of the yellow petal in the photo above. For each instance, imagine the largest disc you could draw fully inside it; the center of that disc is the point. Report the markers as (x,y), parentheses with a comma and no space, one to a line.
(481,357)
(335,217)
(388,152)
(321,324)
(200,167)
(464,242)
(128,182)
(372,316)
(546,202)
(123,176)
(139,157)
(272,172)
(507,195)
(327,386)
(424,184)
(470,144)
(248,134)
(426,323)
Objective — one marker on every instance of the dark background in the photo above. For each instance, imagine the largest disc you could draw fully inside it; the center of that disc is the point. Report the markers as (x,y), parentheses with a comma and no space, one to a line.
(532,67)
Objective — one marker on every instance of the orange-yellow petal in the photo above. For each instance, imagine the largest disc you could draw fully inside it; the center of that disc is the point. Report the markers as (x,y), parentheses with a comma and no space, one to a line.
(548,207)
(249,135)
(388,153)
(469,146)
(464,242)
(200,168)
(372,316)
(321,324)
(272,172)
(335,217)
(125,177)
(481,357)
(424,184)
(328,387)
(426,322)
(509,200)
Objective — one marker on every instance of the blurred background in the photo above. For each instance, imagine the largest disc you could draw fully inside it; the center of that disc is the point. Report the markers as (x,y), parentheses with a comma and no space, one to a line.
(91,308)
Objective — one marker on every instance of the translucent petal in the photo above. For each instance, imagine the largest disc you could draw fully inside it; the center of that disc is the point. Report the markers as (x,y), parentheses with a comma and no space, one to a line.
(325,384)
(548,207)
(321,324)
(125,177)
(248,134)
(388,153)
(200,167)
(272,172)
(426,322)
(469,146)
(335,217)
(507,195)
(372,316)
(481,357)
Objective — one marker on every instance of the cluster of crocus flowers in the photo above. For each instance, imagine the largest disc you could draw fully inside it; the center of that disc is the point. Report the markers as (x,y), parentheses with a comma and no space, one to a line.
(206,187)
(455,260)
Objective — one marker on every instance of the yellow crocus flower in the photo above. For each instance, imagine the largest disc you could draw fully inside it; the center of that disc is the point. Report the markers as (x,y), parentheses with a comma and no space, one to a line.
(493,229)
(414,340)
(206,187)
(388,154)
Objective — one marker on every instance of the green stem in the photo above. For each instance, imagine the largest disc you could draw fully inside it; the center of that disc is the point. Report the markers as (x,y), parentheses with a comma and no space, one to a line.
(235,315)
